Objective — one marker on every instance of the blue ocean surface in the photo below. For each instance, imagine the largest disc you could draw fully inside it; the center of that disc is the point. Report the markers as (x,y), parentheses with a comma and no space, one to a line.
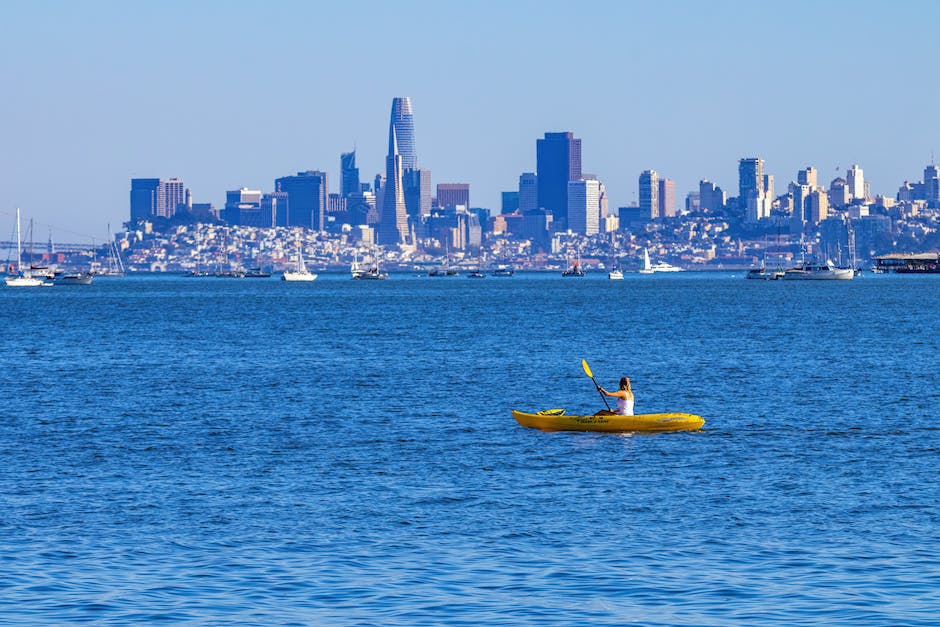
(229,452)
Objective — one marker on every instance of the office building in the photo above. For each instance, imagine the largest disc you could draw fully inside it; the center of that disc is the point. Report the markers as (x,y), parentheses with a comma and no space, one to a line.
(750,178)
(711,197)
(667,198)
(818,206)
(349,181)
(932,184)
(306,198)
(584,206)
(403,121)
(649,194)
(558,161)
(528,192)
(808,176)
(393,221)
(156,198)
(855,180)
(242,207)
(417,190)
(452,194)
(509,202)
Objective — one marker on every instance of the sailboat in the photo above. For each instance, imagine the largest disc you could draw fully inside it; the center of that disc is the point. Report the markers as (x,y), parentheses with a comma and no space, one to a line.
(646,268)
(301,273)
(574,270)
(23,277)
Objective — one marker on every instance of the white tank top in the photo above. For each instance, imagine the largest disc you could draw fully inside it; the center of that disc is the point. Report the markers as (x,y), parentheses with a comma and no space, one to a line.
(625,406)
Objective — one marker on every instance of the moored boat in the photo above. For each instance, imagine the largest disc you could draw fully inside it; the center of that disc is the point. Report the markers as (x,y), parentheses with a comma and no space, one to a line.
(75,278)
(819,272)
(615,275)
(558,420)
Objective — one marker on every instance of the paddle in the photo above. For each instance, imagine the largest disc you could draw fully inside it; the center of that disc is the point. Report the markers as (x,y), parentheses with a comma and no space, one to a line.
(587,371)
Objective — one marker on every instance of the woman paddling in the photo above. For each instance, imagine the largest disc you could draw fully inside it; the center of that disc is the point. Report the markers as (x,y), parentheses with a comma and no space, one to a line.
(624,398)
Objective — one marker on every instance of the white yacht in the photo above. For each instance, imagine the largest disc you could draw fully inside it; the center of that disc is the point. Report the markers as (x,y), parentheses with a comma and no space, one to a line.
(23,278)
(662,266)
(810,271)
(301,273)
(615,275)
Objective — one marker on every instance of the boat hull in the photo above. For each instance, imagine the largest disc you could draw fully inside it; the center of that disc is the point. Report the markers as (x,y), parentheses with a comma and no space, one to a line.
(613,424)
(831,275)
(299,277)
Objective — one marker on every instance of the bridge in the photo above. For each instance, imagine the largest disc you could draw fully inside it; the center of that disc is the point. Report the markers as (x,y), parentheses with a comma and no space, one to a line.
(59,247)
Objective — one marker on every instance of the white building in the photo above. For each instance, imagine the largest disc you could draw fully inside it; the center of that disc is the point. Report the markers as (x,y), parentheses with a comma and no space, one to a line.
(584,206)
(855,180)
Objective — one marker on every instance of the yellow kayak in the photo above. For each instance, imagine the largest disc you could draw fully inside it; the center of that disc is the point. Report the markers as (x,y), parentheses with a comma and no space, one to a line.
(557,420)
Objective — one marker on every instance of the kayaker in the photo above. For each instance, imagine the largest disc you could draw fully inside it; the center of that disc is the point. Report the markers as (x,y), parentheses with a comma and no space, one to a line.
(624,398)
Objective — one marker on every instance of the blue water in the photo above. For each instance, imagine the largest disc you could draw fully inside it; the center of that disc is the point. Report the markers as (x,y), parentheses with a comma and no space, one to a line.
(234,452)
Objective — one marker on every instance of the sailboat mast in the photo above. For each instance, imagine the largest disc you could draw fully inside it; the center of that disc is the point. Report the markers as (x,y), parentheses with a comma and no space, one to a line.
(18,244)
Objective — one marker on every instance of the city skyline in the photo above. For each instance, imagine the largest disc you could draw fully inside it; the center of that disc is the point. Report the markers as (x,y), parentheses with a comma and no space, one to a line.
(478,110)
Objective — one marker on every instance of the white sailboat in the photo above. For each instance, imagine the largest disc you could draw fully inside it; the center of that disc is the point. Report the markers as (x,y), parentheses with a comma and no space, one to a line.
(646,268)
(23,277)
(301,273)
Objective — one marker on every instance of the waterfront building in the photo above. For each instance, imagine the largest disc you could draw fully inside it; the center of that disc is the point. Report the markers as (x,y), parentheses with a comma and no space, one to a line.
(855,181)
(584,206)
(307,198)
(403,121)
(558,161)
(417,190)
(649,194)
(667,198)
(750,178)
(528,192)
(349,177)
(453,194)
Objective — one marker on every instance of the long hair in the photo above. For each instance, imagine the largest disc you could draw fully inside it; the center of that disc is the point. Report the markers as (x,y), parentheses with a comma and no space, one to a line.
(625,384)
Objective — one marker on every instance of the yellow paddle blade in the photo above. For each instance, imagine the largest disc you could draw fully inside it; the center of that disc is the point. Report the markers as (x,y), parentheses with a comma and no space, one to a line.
(587,368)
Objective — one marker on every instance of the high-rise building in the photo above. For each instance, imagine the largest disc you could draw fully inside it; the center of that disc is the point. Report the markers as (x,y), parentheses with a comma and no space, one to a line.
(667,198)
(818,206)
(143,198)
(855,180)
(509,202)
(157,198)
(349,183)
(839,195)
(243,207)
(558,160)
(769,187)
(306,198)
(452,194)
(800,193)
(711,197)
(649,194)
(404,123)
(750,177)
(393,223)
(584,206)
(528,192)
(417,186)
(932,184)
(808,176)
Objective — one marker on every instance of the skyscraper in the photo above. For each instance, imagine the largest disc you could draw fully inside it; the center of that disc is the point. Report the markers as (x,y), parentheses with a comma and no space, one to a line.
(855,180)
(393,223)
(649,194)
(404,123)
(558,160)
(808,176)
(667,198)
(453,194)
(584,206)
(528,192)
(750,178)
(932,184)
(306,198)
(156,198)
(711,197)
(349,181)
(417,189)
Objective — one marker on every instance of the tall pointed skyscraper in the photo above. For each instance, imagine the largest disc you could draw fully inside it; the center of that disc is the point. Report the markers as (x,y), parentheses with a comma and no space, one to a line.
(393,225)
(404,122)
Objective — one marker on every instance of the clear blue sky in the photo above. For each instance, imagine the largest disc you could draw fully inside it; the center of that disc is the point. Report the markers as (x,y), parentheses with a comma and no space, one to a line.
(232,94)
